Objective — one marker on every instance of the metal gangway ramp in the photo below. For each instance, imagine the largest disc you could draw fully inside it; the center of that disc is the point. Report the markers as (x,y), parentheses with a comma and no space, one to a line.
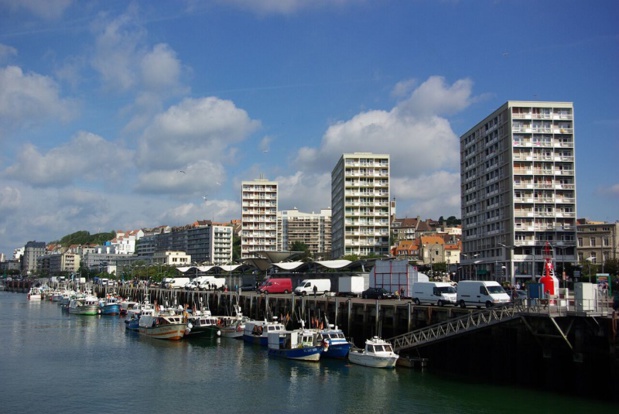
(457,326)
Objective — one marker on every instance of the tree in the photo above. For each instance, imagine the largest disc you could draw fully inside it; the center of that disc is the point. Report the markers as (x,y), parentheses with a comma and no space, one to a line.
(299,246)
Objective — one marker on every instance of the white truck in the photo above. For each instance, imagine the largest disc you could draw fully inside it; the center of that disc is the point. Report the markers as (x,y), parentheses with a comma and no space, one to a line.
(311,286)
(434,293)
(351,286)
(174,282)
(206,283)
(480,293)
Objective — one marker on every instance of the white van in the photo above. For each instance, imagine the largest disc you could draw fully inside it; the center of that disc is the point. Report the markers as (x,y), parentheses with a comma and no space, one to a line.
(307,287)
(481,293)
(434,293)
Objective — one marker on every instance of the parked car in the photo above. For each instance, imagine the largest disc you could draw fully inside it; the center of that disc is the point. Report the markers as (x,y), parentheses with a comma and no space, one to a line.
(377,293)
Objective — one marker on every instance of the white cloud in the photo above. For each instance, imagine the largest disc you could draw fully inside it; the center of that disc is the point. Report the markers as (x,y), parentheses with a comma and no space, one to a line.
(45,9)
(160,69)
(192,131)
(285,7)
(423,149)
(6,52)
(86,157)
(307,192)
(117,51)
(29,98)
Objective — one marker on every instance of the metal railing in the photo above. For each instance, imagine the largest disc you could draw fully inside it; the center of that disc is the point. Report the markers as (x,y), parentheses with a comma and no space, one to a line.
(463,324)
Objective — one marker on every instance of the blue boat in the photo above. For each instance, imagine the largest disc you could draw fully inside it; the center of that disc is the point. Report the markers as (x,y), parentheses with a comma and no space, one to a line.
(110,306)
(338,345)
(257,332)
(298,344)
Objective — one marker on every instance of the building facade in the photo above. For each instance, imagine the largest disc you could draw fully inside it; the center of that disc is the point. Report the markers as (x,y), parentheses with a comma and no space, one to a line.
(32,251)
(312,229)
(360,202)
(518,190)
(597,243)
(259,199)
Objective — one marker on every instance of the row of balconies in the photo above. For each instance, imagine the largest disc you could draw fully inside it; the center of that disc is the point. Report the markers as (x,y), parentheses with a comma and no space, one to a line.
(549,116)
(529,156)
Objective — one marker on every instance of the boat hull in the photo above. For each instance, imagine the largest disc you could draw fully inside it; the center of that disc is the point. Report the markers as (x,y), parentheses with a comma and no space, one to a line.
(85,310)
(113,309)
(337,351)
(360,358)
(311,354)
(169,332)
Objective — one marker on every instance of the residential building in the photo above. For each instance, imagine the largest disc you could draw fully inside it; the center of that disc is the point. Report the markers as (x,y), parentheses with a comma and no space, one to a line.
(360,202)
(63,262)
(518,190)
(598,242)
(32,251)
(258,217)
(311,229)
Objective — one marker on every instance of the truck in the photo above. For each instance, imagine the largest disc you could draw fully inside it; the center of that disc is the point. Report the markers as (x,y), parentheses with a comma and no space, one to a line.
(311,286)
(481,293)
(434,293)
(351,286)
(206,283)
(174,282)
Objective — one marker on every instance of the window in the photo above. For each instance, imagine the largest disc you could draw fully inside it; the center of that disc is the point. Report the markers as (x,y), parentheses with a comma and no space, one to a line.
(592,242)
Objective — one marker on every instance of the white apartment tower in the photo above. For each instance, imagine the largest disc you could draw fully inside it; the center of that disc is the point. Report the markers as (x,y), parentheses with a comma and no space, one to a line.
(259,217)
(360,205)
(518,191)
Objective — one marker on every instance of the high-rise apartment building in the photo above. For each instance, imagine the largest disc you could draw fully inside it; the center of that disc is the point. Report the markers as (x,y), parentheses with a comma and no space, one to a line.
(311,229)
(518,191)
(258,217)
(360,205)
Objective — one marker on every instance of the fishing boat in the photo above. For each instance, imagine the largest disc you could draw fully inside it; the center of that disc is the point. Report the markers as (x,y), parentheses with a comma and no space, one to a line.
(110,305)
(35,294)
(202,324)
(85,305)
(298,344)
(168,325)
(257,332)
(233,326)
(377,353)
(338,345)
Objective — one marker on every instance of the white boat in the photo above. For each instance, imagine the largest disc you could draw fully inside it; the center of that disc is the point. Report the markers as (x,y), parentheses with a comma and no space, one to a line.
(257,332)
(35,293)
(233,326)
(377,353)
(298,344)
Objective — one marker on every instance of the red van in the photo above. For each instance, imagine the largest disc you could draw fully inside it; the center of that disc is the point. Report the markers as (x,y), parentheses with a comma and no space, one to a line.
(279,285)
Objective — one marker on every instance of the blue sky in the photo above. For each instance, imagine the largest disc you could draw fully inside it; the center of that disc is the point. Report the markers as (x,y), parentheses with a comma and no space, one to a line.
(104,103)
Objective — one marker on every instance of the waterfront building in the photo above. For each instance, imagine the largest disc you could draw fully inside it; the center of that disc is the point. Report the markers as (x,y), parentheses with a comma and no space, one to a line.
(598,242)
(312,229)
(32,251)
(361,205)
(259,200)
(61,263)
(518,190)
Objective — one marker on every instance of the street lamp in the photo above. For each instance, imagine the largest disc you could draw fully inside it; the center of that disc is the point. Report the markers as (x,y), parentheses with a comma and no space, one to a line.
(590,259)
(512,275)
(469,265)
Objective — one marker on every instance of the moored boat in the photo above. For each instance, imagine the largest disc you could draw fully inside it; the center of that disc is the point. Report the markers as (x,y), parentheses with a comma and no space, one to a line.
(257,332)
(35,294)
(377,353)
(202,324)
(298,344)
(171,327)
(110,306)
(87,305)
(338,345)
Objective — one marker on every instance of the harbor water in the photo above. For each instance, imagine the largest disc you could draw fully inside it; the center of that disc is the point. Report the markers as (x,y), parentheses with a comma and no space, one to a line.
(52,361)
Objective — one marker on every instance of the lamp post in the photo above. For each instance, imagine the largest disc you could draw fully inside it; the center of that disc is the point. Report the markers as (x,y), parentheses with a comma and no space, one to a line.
(512,275)
(470,265)
(590,259)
